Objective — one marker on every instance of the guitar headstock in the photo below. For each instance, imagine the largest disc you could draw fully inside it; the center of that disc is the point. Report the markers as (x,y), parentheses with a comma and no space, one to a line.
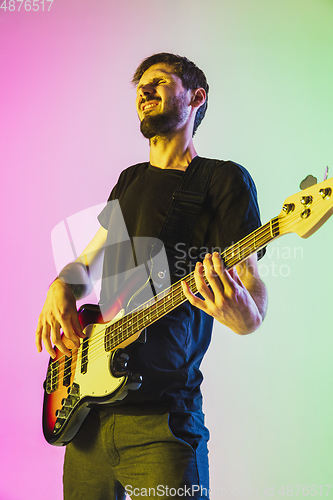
(305,212)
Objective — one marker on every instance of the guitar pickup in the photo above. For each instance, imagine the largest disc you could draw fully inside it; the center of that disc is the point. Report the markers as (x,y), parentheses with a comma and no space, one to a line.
(67,371)
(84,359)
(74,390)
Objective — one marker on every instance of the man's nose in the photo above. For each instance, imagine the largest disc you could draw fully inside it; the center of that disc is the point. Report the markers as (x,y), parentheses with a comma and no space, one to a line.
(147,90)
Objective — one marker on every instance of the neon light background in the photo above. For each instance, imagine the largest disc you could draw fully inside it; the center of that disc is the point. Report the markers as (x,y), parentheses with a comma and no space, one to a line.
(68,127)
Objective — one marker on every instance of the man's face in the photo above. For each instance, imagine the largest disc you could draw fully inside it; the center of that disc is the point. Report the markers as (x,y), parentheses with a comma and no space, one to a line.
(162,102)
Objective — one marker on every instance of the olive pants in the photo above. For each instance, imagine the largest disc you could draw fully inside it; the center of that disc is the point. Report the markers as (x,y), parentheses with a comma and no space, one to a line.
(146,456)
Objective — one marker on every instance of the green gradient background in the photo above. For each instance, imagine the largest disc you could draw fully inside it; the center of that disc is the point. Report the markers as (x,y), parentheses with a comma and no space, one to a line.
(67,110)
(272,399)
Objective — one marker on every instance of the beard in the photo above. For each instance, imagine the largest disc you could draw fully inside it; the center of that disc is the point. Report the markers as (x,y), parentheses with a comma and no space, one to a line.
(163,124)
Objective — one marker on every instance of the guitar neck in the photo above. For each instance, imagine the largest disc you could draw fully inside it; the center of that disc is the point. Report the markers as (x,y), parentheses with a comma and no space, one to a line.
(252,243)
(166,301)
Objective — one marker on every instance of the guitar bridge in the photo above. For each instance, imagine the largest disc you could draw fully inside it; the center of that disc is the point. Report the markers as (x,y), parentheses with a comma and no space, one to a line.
(52,377)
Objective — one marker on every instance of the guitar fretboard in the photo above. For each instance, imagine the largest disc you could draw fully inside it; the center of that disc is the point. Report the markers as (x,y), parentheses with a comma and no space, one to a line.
(166,301)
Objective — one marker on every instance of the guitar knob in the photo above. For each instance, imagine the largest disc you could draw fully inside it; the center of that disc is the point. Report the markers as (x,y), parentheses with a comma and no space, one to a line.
(134,381)
(122,361)
(68,402)
(61,414)
(74,390)
(119,363)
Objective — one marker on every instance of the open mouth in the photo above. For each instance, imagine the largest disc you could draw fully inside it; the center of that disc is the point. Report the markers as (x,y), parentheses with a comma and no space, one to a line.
(149,105)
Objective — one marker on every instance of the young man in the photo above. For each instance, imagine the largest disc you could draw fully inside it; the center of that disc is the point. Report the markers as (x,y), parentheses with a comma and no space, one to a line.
(155,443)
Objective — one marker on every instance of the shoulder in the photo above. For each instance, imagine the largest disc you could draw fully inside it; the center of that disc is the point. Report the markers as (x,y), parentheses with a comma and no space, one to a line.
(126,178)
(133,171)
(229,175)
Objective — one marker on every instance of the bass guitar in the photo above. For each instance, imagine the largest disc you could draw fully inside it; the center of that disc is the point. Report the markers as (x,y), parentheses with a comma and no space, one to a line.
(96,372)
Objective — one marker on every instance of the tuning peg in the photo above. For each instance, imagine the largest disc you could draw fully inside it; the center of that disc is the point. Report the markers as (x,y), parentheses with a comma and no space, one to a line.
(326,173)
(309,181)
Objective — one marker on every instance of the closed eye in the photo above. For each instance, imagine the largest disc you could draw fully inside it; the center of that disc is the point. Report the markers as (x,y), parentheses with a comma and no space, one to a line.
(154,83)
(158,82)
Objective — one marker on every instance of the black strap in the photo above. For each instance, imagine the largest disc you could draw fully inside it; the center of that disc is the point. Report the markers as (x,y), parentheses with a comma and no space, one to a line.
(186,204)
(182,215)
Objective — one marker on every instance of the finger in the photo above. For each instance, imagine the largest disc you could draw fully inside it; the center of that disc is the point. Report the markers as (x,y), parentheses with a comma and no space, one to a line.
(38,337)
(47,342)
(218,264)
(235,276)
(67,328)
(199,276)
(57,340)
(195,301)
(225,275)
(213,273)
(77,327)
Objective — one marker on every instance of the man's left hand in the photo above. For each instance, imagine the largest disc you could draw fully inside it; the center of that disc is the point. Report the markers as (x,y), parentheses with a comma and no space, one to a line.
(238,304)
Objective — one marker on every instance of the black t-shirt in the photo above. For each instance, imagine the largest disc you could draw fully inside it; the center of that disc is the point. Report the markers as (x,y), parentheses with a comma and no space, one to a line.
(170,359)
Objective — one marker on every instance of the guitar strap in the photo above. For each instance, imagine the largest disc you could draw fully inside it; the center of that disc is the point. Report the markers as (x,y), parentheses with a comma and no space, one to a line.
(179,224)
(186,204)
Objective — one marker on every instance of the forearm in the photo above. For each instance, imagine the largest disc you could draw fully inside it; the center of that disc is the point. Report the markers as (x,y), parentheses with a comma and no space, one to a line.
(249,276)
(77,276)
(59,312)
(244,304)
(258,292)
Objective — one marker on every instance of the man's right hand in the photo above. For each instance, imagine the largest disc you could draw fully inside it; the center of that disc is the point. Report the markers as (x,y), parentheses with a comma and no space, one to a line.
(59,311)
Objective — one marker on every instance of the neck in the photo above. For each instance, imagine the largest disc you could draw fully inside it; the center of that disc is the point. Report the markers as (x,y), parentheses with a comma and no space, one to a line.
(173,152)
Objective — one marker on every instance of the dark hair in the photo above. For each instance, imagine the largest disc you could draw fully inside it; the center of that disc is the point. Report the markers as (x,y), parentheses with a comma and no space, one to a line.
(191,76)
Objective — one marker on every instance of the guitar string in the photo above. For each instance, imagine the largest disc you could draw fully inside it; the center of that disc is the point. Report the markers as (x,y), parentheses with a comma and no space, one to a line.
(93,350)
(121,336)
(270,226)
(257,239)
(116,340)
(156,304)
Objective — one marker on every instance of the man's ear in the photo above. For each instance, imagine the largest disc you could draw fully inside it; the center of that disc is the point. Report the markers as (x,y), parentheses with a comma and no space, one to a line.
(199,97)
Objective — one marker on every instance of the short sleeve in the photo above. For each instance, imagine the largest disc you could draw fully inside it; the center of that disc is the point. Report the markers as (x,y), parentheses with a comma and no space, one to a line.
(234,205)
(105,215)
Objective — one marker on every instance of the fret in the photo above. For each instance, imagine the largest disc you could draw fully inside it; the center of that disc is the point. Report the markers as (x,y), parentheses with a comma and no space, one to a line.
(160,307)
(141,316)
(168,299)
(137,322)
(271,227)
(164,303)
(120,329)
(107,338)
(147,318)
(130,327)
(154,311)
